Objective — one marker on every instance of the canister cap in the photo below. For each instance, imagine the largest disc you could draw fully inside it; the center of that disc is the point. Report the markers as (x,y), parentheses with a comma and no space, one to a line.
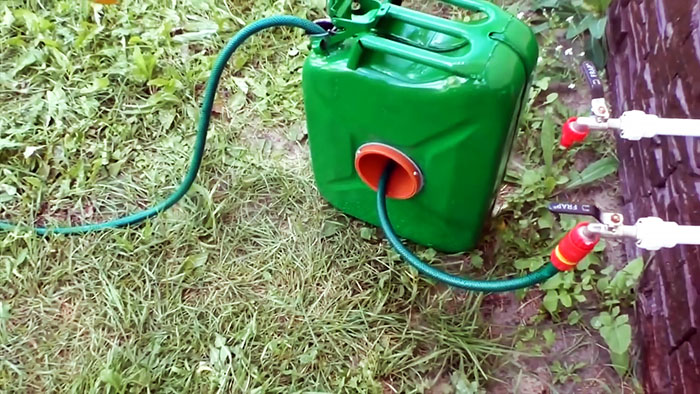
(370,161)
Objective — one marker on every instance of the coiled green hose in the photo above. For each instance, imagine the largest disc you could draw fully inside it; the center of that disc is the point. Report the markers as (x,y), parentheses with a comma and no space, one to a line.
(202,129)
(489,286)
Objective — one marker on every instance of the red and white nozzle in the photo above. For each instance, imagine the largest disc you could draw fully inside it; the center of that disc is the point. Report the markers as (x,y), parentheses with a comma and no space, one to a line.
(572,132)
(574,247)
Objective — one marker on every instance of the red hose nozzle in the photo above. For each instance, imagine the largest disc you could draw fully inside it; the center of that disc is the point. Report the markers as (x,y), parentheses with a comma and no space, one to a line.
(574,247)
(573,132)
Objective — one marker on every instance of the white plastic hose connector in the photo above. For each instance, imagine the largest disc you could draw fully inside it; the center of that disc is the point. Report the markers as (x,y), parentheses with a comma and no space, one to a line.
(635,125)
(653,233)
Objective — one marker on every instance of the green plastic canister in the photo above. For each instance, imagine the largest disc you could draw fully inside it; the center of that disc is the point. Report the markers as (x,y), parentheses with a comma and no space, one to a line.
(440,98)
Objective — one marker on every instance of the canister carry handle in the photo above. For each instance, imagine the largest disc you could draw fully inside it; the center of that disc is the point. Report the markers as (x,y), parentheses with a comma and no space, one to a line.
(473,5)
(430,22)
(464,66)
(487,8)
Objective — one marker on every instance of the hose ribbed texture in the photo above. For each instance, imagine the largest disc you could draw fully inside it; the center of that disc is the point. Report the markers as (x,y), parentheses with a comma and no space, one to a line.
(489,286)
(202,129)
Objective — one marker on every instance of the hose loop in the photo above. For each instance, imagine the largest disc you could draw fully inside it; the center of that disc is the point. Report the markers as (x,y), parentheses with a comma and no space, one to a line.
(487,286)
(202,130)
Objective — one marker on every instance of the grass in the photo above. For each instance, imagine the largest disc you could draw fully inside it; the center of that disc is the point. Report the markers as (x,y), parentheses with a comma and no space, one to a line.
(251,283)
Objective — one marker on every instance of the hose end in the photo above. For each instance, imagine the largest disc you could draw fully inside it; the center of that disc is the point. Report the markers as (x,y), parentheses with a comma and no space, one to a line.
(572,132)
(574,247)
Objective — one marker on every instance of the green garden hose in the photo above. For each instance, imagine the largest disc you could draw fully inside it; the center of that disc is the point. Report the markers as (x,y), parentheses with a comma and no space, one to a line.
(489,286)
(202,129)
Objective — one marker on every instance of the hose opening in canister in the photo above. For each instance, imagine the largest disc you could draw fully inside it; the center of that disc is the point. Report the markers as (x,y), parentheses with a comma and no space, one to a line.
(406,179)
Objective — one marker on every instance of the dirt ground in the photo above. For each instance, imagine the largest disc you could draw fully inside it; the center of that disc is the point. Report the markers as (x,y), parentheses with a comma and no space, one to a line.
(510,317)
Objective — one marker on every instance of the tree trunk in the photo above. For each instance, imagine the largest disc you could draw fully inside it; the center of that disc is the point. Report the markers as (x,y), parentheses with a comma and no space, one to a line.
(654,65)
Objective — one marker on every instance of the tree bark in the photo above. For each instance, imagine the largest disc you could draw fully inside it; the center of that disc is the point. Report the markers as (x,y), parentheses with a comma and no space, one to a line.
(654,65)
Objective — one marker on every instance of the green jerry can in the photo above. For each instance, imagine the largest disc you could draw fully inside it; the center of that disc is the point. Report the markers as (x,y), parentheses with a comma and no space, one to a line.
(439,98)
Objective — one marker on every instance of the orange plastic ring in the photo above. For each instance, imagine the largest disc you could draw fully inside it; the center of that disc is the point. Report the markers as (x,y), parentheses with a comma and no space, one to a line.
(406,179)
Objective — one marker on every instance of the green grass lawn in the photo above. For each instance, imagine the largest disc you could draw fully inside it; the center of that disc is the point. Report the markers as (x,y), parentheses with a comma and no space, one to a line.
(252,283)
